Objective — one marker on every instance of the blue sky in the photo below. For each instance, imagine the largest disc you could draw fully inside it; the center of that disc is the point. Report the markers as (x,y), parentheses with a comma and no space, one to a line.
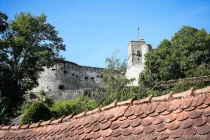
(93,29)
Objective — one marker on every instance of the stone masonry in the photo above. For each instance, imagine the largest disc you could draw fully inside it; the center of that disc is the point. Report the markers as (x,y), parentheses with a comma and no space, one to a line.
(68,80)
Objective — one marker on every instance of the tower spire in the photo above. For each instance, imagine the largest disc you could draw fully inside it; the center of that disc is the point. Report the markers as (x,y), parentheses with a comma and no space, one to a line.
(138,34)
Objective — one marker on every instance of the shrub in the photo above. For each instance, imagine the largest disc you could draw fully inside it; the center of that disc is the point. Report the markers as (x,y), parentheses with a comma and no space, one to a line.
(23,109)
(37,111)
(125,93)
(76,106)
(48,101)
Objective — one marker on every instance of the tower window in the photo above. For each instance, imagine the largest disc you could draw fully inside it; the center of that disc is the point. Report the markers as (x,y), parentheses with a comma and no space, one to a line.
(138,53)
(61,87)
(86,78)
(92,78)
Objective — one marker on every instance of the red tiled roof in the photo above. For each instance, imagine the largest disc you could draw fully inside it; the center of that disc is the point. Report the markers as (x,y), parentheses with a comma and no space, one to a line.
(183,115)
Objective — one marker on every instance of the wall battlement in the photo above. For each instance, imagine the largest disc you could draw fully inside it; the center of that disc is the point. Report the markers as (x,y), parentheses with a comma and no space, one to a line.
(76,66)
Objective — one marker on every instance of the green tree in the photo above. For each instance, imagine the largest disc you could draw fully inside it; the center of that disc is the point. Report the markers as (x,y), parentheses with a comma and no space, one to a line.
(29,44)
(3,28)
(185,55)
(4,70)
(3,22)
(115,81)
(36,112)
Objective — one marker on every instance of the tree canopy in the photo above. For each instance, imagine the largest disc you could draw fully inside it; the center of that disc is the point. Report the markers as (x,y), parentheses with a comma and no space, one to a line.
(115,81)
(28,44)
(187,54)
(3,22)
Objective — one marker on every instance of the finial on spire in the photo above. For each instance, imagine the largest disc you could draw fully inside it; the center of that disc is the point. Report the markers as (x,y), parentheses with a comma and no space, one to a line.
(138,34)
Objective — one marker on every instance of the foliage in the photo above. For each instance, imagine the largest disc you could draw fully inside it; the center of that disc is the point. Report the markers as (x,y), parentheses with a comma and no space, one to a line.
(32,95)
(132,91)
(76,106)
(11,91)
(27,45)
(115,81)
(185,55)
(48,101)
(23,109)
(184,87)
(3,22)
(36,112)
(41,94)
(3,116)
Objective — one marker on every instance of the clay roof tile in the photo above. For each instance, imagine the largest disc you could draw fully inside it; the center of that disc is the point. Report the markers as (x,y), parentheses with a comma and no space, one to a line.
(80,115)
(127,102)
(166,97)
(171,116)
(43,123)
(141,101)
(112,105)
(67,117)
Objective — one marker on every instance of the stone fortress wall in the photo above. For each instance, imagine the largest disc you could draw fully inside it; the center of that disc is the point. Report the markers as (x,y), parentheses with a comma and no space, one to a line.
(68,80)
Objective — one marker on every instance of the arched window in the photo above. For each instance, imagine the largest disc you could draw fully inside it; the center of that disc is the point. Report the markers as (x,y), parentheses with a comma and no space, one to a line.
(138,54)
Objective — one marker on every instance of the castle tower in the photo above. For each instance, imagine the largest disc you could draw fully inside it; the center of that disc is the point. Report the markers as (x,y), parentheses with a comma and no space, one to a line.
(145,49)
(135,52)
(136,59)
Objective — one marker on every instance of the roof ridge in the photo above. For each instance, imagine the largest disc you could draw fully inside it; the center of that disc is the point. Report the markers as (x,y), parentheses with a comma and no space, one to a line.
(167,97)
